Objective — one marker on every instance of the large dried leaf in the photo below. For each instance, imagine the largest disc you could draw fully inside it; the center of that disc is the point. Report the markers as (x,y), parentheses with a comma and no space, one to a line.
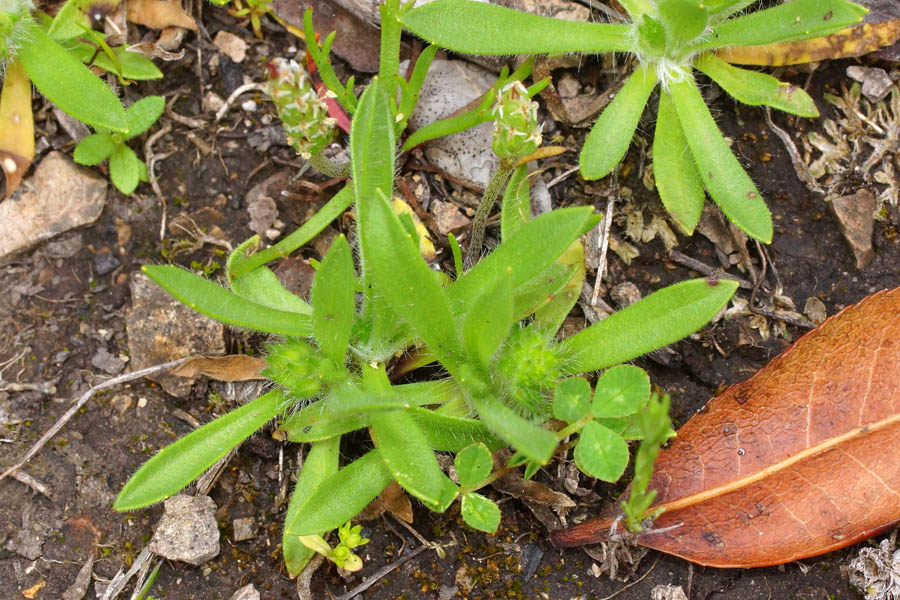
(159,14)
(233,367)
(798,460)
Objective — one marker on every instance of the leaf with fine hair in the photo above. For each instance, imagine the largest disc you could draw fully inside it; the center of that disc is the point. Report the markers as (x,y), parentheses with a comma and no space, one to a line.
(725,179)
(178,464)
(533,248)
(515,210)
(661,318)
(333,300)
(549,317)
(447,433)
(125,169)
(674,170)
(406,453)
(789,22)
(757,89)
(320,463)
(216,302)
(534,442)
(94,149)
(611,135)
(488,322)
(66,82)
(479,512)
(143,114)
(473,465)
(343,495)
(480,28)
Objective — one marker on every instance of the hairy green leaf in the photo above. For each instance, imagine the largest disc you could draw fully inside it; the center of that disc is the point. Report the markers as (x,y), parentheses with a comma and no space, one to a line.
(611,135)
(549,317)
(405,451)
(480,28)
(515,210)
(343,495)
(143,114)
(677,179)
(125,169)
(94,149)
(659,319)
(333,299)
(447,433)
(534,442)
(725,179)
(789,22)
(178,464)
(223,305)
(321,462)
(488,322)
(66,82)
(757,89)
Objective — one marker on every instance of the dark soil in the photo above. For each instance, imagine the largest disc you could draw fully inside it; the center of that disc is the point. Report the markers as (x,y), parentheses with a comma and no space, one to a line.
(60,313)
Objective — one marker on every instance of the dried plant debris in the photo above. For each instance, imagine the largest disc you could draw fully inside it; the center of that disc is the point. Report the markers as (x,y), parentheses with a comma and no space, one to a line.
(876,571)
(859,146)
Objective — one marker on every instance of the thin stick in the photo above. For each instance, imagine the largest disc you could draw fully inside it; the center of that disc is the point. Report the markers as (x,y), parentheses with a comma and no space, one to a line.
(247,87)
(83,400)
(604,246)
(381,573)
(703,268)
(152,159)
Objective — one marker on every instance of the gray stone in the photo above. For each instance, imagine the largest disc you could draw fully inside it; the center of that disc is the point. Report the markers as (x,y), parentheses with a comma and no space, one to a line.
(161,329)
(856,215)
(59,196)
(105,263)
(106,362)
(248,592)
(66,246)
(244,529)
(187,531)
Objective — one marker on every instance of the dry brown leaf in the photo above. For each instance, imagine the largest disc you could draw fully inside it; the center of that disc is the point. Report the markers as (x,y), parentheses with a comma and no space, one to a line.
(393,500)
(159,14)
(233,367)
(33,590)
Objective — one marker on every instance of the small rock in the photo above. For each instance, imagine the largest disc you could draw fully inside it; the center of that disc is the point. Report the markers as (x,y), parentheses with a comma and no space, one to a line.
(248,592)
(231,74)
(263,139)
(531,557)
(447,216)
(249,106)
(450,85)
(106,362)
(187,531)
(105,263)
(62,196)
(667,592)
(568,86)
(79,587)
(814,309)
(856,215)
(876,83)
(263,214)
(66,246)
(231,45)
(161,329)
(244,529)
(212,102)
(625,294)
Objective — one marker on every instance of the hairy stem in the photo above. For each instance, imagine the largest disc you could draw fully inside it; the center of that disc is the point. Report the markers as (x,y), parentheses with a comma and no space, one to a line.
(498,182)
(328,167)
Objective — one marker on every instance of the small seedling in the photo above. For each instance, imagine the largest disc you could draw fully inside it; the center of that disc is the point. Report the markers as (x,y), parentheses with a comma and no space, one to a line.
(125,169)
(669,39)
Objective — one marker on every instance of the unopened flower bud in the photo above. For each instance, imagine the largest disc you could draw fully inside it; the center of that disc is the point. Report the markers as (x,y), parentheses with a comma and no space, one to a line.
(517,132)
(303,114)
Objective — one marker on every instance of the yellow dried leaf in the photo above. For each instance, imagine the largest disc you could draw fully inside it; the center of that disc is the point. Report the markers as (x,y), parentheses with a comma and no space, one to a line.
(33,590)
(159,14)
(233,367)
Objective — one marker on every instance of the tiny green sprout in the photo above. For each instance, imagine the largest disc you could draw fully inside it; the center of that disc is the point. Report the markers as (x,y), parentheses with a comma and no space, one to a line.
(669,39)
(125,169)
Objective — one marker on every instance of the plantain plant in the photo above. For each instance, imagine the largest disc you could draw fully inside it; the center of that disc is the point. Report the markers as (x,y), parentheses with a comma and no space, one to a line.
(508,380)
(669,39)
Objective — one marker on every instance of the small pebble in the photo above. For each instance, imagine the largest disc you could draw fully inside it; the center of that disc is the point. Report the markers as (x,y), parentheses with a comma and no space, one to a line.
(249,106)
(244,529)
(105,263)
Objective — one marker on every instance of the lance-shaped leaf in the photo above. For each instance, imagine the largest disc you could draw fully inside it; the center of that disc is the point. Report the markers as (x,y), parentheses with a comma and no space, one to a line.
(216,302)
(410,459)
(68,83)
(796,461)
(515,210)
(321,462)
(343,495)
(488,322)
(333,299)
(757,89)
(611,135)
(659,319)
(447,433)
(797,20)
(725,179)
(535,443)
(481,28)
(677,179)
(178,464)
